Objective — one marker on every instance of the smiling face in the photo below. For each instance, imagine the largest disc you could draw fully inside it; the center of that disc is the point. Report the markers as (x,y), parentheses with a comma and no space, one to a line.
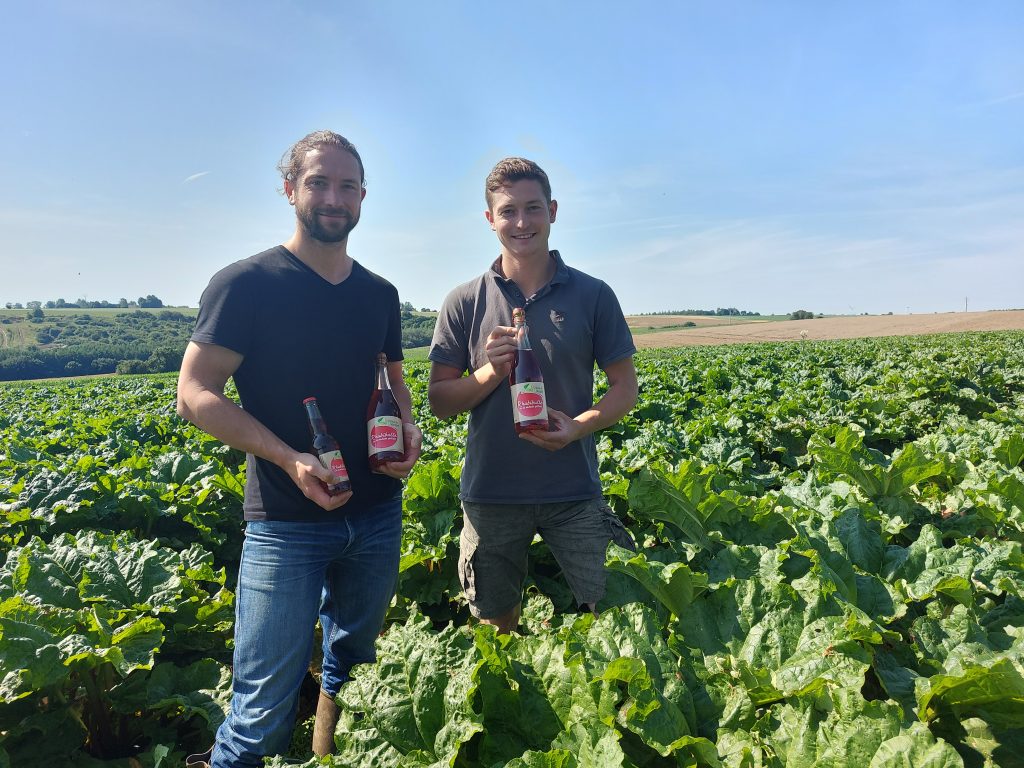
(327,194)
(521,216)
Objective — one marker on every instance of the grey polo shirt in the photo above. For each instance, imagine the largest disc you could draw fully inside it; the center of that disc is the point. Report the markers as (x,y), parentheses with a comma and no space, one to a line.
(574,321)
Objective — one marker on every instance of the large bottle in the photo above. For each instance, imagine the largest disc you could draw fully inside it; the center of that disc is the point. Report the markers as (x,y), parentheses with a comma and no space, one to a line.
(384,421)
(529,405)
(327,448)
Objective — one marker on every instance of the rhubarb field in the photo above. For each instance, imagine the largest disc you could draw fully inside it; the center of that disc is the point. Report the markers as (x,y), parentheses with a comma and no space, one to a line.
(828,572)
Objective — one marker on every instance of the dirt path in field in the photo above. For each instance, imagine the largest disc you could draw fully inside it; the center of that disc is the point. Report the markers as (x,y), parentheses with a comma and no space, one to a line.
(831,328)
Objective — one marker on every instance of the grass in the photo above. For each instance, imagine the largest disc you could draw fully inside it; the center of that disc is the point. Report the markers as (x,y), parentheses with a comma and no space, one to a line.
(416,353)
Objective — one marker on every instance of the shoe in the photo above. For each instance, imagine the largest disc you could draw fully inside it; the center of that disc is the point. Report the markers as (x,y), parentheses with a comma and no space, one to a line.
(325,724)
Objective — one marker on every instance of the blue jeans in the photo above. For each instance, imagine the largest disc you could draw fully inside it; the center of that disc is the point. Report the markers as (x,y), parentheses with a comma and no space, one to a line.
(345,572)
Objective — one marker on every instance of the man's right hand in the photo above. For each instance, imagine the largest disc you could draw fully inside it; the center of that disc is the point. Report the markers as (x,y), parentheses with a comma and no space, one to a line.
(312,478)
(501,349)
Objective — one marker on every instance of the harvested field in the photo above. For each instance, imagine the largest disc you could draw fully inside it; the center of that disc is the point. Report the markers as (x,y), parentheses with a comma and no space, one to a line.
(852,327)
(659,321)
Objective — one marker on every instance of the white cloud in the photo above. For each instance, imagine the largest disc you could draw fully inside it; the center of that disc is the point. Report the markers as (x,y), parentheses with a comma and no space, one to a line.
(1000,100)
(195,176)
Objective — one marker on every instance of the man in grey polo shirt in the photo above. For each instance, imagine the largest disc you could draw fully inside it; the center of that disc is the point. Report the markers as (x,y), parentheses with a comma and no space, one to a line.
(547,482)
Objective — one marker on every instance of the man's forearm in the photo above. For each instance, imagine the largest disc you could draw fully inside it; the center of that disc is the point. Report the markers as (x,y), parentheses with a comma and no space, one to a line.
(449,397)
(219,416)
(615,404)
(404,399)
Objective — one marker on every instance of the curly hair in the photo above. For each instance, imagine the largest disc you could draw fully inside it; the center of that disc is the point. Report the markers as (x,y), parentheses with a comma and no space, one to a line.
(292,160)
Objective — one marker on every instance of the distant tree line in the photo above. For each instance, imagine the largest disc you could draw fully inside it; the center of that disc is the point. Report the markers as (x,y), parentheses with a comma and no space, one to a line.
(76,344)
(145,302)
(79,344)
(720,312)
(35,363)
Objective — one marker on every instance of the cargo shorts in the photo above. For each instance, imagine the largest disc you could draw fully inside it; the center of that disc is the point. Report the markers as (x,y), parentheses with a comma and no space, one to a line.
(496,537)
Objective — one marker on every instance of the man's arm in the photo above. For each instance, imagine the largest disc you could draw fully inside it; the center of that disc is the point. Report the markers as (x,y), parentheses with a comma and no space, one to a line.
(205,370)
(451,393)
(411,435)
(616,403)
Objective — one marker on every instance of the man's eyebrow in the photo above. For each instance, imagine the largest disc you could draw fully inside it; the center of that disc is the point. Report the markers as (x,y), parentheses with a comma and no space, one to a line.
(352,179)
(538,201)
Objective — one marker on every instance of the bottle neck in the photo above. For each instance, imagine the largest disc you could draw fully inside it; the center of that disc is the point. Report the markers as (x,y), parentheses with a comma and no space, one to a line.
(383,382)
(522,336)
(316,421)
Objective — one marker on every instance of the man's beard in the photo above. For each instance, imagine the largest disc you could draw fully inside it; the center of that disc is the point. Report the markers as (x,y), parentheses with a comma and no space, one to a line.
(316,229)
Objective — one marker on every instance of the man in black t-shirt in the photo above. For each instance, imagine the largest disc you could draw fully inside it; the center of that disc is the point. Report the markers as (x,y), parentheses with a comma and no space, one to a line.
(302,320)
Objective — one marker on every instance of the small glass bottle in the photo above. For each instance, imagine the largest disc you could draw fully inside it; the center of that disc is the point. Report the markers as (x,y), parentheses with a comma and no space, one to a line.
(385,441)
(529,405)
(327,448)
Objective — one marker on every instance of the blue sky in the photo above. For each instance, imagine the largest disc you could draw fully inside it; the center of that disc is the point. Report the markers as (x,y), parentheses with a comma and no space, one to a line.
(835,157)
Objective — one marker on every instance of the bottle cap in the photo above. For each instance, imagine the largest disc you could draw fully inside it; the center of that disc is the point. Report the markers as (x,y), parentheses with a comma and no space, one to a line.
(382,359)
(518,315)
(309,400)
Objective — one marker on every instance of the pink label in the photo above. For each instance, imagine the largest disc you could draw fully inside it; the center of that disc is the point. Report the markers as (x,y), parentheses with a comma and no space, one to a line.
(333,461)
(383,437)
(529,402)
(384,434)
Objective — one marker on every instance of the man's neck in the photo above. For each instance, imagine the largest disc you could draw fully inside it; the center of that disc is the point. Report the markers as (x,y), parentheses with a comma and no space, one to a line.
(329,260)
(530,273)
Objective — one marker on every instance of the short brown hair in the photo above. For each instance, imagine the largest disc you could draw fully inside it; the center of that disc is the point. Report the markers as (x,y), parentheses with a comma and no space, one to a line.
(513,169)
(292,160)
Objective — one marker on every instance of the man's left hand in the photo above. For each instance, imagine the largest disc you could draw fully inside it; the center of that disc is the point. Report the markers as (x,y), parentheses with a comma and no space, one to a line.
(413,439)
(561,431)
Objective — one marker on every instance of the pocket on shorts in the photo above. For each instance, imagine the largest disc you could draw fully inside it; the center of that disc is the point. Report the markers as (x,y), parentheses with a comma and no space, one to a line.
(467,573)
(616,530)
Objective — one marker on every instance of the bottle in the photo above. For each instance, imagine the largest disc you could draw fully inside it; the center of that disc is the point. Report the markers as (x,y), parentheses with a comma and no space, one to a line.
(529,406)
(384,421)
(327,448)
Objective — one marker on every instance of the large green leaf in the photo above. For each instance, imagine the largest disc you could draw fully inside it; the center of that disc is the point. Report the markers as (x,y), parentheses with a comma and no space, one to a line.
(675,585)
(830,651)
(842,730)
(652,496)
(846,458)
(931,568)
(50,736)
(994,693)
(31,659)
(1010,450)
(201,689)
(915,748)
(418,696)
(862,540)
(909,468)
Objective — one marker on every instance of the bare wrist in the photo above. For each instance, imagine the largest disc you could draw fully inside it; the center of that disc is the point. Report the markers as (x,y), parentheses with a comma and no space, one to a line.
(492,376)
(286,459)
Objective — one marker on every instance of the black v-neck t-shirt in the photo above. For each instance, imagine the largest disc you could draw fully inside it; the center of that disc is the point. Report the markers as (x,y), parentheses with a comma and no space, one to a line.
(300,336)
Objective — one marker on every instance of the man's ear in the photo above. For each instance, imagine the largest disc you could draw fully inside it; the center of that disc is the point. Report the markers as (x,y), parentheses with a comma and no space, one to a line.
(289,191)
(490,217)
(553,209)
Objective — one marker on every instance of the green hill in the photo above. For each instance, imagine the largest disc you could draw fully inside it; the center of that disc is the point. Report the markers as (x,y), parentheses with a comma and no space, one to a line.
(47,343)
